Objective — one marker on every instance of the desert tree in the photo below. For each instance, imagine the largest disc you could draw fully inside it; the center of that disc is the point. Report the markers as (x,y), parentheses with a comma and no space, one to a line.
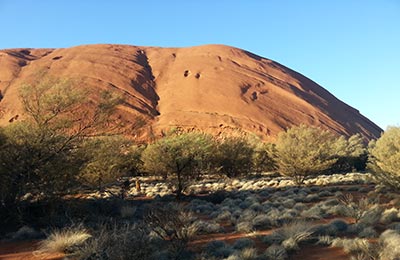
(108,158)
(263,158)
(352,154)
(39,157)
(234,156)
(4,176)
(302,151)
(35,163)
(178,158)
(384,158)
(64,106)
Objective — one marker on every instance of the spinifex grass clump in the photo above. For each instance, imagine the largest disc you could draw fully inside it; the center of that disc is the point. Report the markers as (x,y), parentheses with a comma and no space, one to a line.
(64,241)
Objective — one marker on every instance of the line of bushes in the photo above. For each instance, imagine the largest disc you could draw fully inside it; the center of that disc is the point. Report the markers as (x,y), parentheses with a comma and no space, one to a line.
(62,148)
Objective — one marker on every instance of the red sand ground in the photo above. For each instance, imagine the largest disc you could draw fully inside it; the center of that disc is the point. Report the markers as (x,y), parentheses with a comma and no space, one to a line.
(24,251)
(320,253)
(307,252)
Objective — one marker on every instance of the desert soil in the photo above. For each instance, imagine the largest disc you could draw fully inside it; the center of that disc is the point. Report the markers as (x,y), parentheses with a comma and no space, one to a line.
(24,251)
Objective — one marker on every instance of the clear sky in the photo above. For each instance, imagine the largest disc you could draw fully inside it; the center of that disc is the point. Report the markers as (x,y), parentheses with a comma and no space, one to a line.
(350,47)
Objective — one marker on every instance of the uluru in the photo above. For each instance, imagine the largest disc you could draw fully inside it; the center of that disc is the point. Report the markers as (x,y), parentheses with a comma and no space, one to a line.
(213,88)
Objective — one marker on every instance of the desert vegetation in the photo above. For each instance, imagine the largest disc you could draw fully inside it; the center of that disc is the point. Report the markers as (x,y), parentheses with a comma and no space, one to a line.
(179,158)
(385,158)
(89,192)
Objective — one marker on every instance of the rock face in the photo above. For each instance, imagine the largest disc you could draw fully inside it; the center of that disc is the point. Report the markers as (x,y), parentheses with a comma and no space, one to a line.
(213,88)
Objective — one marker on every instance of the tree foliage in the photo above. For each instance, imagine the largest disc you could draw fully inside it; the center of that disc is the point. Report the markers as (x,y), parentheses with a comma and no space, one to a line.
(107,159)
(303,151)
(352,154)
(36,162)
(39,156)
(62,106)
(179,158)
(234,156)
(263,157)
(384,158)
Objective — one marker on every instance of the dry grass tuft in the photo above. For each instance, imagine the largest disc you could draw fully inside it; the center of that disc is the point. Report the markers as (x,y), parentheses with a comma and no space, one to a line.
(63,241)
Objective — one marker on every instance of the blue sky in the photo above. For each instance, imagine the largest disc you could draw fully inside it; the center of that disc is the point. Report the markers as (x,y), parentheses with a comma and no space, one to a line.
(350,47)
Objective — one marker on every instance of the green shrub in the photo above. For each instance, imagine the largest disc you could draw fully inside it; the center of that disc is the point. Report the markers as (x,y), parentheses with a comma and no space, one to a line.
(107,159)
(39,156)
(179,158)
(384,158)
(234,156)
(263,157)
(364,210)
(303,151)
(37,162)
(352,154)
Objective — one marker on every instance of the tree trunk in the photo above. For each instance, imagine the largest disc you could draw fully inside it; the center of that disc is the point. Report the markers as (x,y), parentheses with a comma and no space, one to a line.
(179,186)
